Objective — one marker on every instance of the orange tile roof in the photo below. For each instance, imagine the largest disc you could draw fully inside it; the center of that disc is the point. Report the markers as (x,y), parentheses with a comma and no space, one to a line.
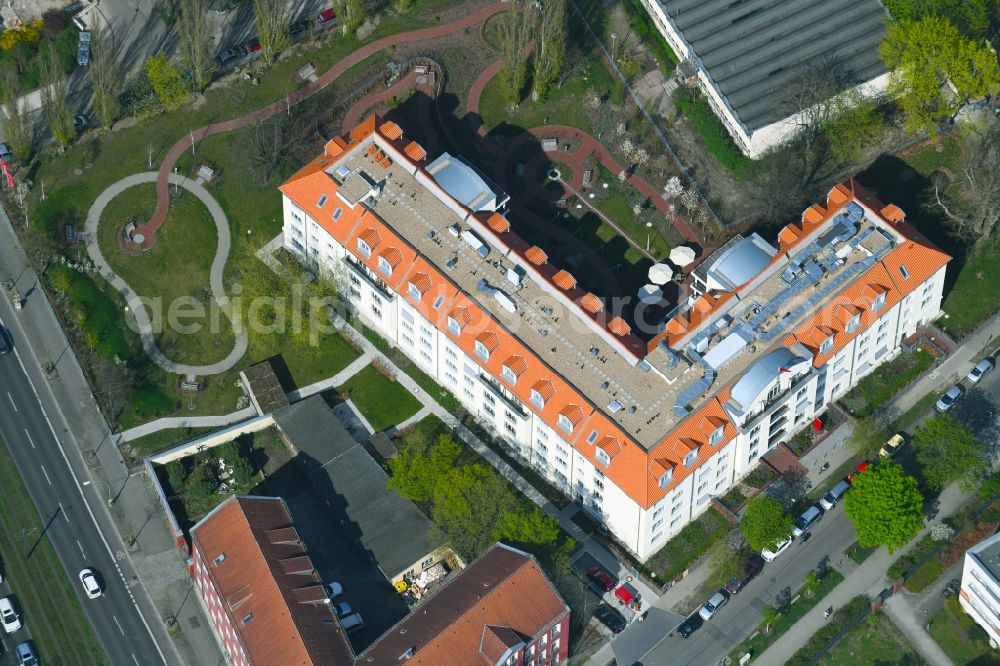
(392,255)
(544,388)
(421,281)
(573,413)
(462,315)
(488,339)
(591,303)
(286,627)
(893,213)
(498,223)
(536,255)
(564,280)
(415,151)
(517,365)
(504,588)
(391,130)
(618,326)
(910,263)
(789,234)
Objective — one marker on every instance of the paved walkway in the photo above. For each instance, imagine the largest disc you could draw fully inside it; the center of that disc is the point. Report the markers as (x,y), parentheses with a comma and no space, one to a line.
(911,623)
(166,167)
(186,422)
(135,303)
(356,366)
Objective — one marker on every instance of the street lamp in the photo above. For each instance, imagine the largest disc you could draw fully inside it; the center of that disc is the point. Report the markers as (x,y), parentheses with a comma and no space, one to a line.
(614,39)
(176,188)
(649,225)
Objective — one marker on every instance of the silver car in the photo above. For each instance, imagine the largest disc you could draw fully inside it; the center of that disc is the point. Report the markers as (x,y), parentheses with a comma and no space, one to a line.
(980,369)
(712,606)
(947,401)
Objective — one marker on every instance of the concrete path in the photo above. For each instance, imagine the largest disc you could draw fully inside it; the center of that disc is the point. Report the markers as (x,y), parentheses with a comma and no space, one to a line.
(898,608)
(186,422)
(135,303)
(356,366)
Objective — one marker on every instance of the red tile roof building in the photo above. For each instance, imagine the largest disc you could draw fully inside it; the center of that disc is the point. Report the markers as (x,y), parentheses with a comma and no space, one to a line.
(267,604)
(643,429)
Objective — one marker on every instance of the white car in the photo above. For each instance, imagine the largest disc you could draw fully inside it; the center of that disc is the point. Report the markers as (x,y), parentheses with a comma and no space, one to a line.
(980,369)
(90,584)
(712,606)
(947,401)
(8,616)
(778,550)
(333,590)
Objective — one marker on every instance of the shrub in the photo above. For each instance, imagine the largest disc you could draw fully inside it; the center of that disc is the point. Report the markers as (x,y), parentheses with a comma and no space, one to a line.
(61,277)
(62,207)
(717,140)
(113,345)
(54,21)
(202,482)
(820,641)
(176,474)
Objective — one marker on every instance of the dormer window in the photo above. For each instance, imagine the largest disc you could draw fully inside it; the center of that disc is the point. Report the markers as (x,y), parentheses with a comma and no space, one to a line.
(322,201)
(878,302)
(508,375)
(853,324)
(565,424)
(537,400)
(691,458)
(827,345)
(364,249)
(412,290)
(485,344)
(454,326)
(384,266)
(602,456)
(482,351)
(666,477)
(717,435)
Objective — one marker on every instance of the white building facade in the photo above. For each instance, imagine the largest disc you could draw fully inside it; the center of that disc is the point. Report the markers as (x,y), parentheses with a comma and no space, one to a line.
(979,595)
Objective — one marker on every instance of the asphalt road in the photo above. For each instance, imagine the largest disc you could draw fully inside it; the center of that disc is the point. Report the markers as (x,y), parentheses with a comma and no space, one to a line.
(741,616)
(77,533)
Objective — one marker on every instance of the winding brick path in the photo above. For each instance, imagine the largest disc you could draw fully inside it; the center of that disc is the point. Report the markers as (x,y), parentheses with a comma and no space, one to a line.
(162,182)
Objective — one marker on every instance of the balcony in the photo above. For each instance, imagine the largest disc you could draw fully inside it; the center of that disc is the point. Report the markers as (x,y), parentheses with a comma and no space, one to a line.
(496,390)
(355,266)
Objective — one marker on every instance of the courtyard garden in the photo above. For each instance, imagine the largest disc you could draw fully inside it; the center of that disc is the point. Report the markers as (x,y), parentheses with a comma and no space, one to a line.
(383,401)
(682,549)
(877,636)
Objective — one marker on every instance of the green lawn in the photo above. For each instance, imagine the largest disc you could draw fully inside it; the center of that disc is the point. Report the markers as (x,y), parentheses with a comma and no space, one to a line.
(43,588)
(617,207)
(686,546)
(878,387)
(883,638)
(382,401)
(164,439)
(859,554)
(971,298)
(759,643)
(563,106)
(960,637)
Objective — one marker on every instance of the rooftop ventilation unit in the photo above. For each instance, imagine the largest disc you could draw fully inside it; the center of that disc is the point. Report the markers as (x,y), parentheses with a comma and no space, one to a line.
(514,275)
(473,241)
(342,172)
(505,301)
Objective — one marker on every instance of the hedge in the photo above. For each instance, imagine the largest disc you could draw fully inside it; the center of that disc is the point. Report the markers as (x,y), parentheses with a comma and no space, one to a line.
(644,28)
(843,618)
(718,142)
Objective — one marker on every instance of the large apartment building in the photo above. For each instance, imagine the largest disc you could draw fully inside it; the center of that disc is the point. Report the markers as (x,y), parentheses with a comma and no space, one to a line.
(980,591)
(643,423)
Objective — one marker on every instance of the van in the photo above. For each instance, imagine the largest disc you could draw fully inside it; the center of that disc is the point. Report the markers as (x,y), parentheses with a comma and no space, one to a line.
(352,622)
(802,523)
(834,495)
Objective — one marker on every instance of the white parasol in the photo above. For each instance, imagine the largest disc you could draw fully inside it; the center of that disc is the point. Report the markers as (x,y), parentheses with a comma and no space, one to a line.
(660,274)
(682,255)
(650,293)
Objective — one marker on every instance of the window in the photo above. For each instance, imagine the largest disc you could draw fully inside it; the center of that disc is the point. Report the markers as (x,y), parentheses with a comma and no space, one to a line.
(322,201)
(412,290)
(512,430)
(537,400)
(508,374)
(878,302)
(602,456)
(902,271)
(453,326)
(376,311)
(826,346)
(544,641)
(555,632)
(364,249)
(565,424)
(384,266)
(220,558)
(438,301)
(247,618)
(665,478)
(598,484)
(489,410)
(336,214)
(482,351)
(592,437)
(691,458)
(854,323)
(717,436)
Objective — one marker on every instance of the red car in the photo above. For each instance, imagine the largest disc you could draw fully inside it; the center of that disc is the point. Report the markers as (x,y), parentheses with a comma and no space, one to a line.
(602,578)
(857,470)
(326,19)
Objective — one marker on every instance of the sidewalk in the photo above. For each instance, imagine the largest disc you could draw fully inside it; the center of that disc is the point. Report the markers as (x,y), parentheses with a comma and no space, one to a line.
(158,565)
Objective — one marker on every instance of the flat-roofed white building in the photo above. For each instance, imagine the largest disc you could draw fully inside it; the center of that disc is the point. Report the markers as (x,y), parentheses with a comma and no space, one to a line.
(980,592)
(643,428)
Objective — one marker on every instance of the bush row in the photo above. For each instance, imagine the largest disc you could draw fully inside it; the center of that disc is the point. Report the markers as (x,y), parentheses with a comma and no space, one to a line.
(718,142)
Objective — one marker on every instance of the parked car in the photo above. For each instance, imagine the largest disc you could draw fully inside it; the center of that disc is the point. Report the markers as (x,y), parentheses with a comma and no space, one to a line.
(8,616)
(253,48)
(714,603)
(83,48)
(90,584)
(6,154)
(690,625)
(333,590)
(222,6)
(5,347)
(80,123)
(351,623)
(601,578)
(980,369)
(862,466)
(891,447)
(26,655)
(803,522)
(781,547)
(326,19)
(751,569)
(342,609)
(299,30)
(832,497)
(611,618)
(947,401)
(231,56)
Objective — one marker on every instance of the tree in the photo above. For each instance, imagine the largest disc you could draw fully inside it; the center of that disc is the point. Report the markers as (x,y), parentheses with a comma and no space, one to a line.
(55,96)
(272,21)
(925,58)
(810,583)
(54,21)
(855,124)
(17,126)
(276,143)
(885,506)
(515,32)
(972,203)
(468,504)
(196,47)
(354,13)
(725,561)
(166,80)
(949,452)
(550,56)
(416,477)
(105,78)
(765,523)
(769,615)
(869,434)
(972,17)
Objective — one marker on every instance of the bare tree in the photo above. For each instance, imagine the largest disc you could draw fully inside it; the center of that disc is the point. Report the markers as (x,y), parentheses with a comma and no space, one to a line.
(55,96)
(17,125)
(809,97)
(515,33)
(274,144)
(105,78)
(550,53)
(272,27)
(972,203)
(196,42)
